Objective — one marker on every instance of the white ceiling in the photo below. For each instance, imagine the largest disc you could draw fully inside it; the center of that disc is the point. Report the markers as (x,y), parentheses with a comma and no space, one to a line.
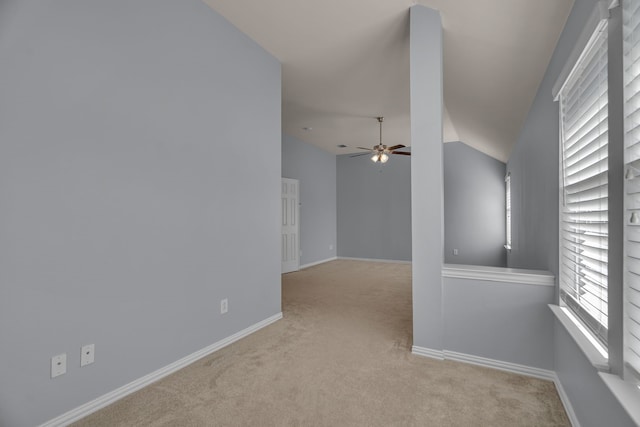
(345,62)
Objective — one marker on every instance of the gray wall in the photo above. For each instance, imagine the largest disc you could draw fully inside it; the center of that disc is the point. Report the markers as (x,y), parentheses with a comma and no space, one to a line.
(373,196)
(533,164)
(502,321)
(374,208)
(474,207)
(131,194)
(425,36)
(316,171)
(534,184)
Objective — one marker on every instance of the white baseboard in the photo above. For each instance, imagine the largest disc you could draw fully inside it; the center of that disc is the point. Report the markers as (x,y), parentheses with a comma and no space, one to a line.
(311,264)
(483,361)
(375,260)
(503,366)
(427,352)
(117,394)
(564,398)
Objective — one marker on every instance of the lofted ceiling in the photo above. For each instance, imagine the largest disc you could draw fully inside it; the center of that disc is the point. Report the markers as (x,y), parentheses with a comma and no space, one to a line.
(345,62)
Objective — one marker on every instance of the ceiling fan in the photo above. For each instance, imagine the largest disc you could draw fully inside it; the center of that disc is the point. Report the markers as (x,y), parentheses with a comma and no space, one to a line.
(381,152)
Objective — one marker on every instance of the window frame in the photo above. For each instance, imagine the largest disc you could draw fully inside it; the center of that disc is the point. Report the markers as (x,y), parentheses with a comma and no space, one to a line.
(574,278)
(631,263)
(508,211)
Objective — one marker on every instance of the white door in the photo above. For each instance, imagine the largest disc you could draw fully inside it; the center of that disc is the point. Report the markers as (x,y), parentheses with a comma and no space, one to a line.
(290,231)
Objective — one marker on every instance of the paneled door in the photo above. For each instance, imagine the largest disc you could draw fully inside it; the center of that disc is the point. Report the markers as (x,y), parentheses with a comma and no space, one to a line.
(290,227)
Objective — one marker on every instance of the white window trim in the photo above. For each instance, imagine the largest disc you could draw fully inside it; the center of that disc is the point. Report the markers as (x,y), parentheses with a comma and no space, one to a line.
(598,20)
(593,354)
(508,212)
(600,12)
(625,390)
(631,369)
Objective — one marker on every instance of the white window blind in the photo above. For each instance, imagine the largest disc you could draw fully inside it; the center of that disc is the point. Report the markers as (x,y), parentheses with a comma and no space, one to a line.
(507,181)
(584,167)
(631,34)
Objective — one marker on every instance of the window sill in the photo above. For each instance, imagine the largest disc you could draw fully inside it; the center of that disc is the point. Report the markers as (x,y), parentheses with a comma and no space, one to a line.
(625,392)
(628,394)
(598,361)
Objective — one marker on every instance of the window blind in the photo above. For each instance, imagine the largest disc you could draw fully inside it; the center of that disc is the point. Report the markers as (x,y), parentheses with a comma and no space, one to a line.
(584,168)
(507,181)
(631,35)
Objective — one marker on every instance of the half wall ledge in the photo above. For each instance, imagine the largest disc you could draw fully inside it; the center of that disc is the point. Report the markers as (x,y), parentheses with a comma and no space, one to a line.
(499,274)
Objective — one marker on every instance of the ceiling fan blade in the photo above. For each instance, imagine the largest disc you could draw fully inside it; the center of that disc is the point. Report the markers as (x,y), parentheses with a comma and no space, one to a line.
(361,154)
(395,147)
(401,152)
(369,149)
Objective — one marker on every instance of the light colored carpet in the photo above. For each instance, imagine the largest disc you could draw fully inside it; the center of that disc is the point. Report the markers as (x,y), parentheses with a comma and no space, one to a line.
(340,357)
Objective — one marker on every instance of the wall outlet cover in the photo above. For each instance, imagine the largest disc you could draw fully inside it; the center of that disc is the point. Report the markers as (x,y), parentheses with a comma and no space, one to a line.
(224,306)
(58,365)
(87,354)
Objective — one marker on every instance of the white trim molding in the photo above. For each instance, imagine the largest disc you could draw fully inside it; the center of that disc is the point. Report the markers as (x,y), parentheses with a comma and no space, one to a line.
(500,365)
(564,398)
(392,261)
(599,13)
(598,361)
(499,274)
(427,352)
(311,264)
(117,394)
(485,362)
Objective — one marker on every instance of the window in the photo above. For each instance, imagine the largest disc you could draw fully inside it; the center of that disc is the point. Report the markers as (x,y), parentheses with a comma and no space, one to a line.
(507,182)
(631,49)
(584,167)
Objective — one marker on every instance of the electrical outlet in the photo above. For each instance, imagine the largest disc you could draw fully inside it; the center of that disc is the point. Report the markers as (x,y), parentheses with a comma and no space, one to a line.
(58,365)
(455,252)
(87,354)
(330,247)
(224,306)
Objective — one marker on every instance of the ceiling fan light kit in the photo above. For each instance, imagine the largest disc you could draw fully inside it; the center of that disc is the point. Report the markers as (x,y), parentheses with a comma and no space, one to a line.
(382,158)
(381,152)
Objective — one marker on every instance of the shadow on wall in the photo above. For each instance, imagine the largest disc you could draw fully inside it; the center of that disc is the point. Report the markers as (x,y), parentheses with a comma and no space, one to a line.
(474,207)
